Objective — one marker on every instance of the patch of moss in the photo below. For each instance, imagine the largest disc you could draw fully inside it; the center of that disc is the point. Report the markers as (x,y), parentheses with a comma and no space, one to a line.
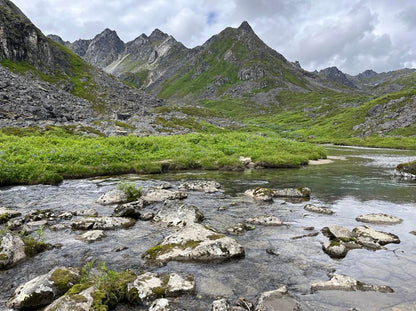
(213,237)
(158,250)
(124,125)
(63,279)
(263,191)
(159,291)
(77,288)
(3,257)
(33,246)
(4,218)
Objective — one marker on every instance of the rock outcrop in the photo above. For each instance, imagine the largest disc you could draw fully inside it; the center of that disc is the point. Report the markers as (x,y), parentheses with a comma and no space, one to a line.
(12,250)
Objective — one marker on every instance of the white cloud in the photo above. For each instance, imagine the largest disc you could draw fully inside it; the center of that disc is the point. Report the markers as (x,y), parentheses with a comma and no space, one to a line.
(353,35)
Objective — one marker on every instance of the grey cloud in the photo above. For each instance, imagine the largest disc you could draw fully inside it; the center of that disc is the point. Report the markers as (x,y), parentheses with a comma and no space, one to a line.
(408,17)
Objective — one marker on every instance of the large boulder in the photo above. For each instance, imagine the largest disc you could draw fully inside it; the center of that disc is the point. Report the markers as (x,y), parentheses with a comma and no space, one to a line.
(379,237)
(277,300)
(114,196)
(82,301)
(149,286)
(194,242)
(201,185)
(346,283)
(178,215)
(102,223)
(383,219)
(160,195)
(44,289)
(12,250)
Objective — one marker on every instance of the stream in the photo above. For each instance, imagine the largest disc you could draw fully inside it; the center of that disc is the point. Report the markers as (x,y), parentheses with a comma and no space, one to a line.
(359,181)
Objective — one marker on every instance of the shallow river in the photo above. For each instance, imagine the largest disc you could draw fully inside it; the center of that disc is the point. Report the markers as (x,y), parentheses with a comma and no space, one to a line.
(361,183)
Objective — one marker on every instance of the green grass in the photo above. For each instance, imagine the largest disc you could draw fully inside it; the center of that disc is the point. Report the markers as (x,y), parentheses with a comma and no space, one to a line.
(50,157)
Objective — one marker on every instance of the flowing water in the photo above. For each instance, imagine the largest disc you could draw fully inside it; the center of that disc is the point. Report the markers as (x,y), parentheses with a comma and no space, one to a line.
(361,183)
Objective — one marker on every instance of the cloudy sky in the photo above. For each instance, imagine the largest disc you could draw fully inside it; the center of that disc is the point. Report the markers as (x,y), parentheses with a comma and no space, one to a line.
(353,35)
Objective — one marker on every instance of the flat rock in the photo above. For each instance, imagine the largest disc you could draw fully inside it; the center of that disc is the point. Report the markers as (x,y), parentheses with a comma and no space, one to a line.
(264,221)
(378,237)
(318,209)
(82,301)
(335,249)
(114,196)
(260,194)
(220,305)
(12,250)
(160,195)
(6,214)
(149,286)
(337,232)
(161,304)
(379,219)
(102,223)
(194,242)
(178,215)
(346,283)
(201,185)
(277,300)
(44,289)
(91,236)
(131,209)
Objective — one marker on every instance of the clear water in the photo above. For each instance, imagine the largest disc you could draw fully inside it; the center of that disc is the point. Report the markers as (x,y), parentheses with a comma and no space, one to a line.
(361,184)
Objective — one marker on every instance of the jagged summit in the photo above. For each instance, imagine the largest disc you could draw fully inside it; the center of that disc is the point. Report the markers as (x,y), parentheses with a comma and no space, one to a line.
(158,35)
(335,75)
(245,26)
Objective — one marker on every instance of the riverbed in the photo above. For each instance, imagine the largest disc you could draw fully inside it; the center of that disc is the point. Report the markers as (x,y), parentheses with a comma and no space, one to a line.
(358,181)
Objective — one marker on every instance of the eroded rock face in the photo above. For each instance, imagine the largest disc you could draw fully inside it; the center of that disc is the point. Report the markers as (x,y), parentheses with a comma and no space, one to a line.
(194,242)
(44,289)
(149,286)
(378,237)
(346,283)
(277,300)
(12,250)
(318,209)
(79,302)
(264,221)
(114,196)
(202,185)
(160,195)
(102,223)
(178,215)
(379,219)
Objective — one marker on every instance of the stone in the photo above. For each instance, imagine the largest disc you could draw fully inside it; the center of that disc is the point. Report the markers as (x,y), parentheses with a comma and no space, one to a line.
(346,283)
(239,229)
(337,232)
(102,223)
(247,162)
(147,216)
(86,212)
(318,209)
(264,221)
(15,224)
(6,214)
(220,305)
(113,196)
(335,249)
(194,242)
(161,304)
(160,195)
(82,301)
(32,226)
(382,219)
(413,232)
(260,194)
(131,209)
(277,300)
(178,215)
(178,285)
(303,192)
(202,185)
(12,250)
(91,236)
(65,215)
(44,289)
(378,237)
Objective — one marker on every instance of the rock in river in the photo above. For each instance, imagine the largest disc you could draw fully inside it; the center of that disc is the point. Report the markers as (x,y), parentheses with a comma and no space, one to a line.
(266,194)
(6,214)
(378,237)
(178,215)
(82,301)
(260,194)
(202,185)
(160,195)
(335,249)
(194,242)
(12,250)
(318,209)
(131,209)
(91,236)
(277,300)
(44,289)
(379,219)
(264,221)
(346,283)
(102,223)
(114,196)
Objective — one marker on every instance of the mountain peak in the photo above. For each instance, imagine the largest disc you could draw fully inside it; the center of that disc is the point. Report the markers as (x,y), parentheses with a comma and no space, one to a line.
(157,34)
(245,26)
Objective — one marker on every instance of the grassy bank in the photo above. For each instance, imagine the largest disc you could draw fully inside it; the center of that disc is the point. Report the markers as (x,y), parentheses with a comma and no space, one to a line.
(52,156)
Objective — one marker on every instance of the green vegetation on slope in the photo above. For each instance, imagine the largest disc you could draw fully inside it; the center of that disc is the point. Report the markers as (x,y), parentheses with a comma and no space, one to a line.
(54,155)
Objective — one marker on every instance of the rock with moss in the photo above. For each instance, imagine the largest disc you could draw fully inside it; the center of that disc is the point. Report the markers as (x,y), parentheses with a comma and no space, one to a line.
(149,286)
(178,215)
(335,249)
(102,223)
(131,209)
(6,214)
(80,301)
(277,300)
(86,212)
(264,221)
(346,283)
(161,195)
(318,209)
(382,219)
(114,196)
(12,250)
(44,289)
(194,242)
(201,185)
(302,192)
(91,236)
(378,237)
(260,194)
